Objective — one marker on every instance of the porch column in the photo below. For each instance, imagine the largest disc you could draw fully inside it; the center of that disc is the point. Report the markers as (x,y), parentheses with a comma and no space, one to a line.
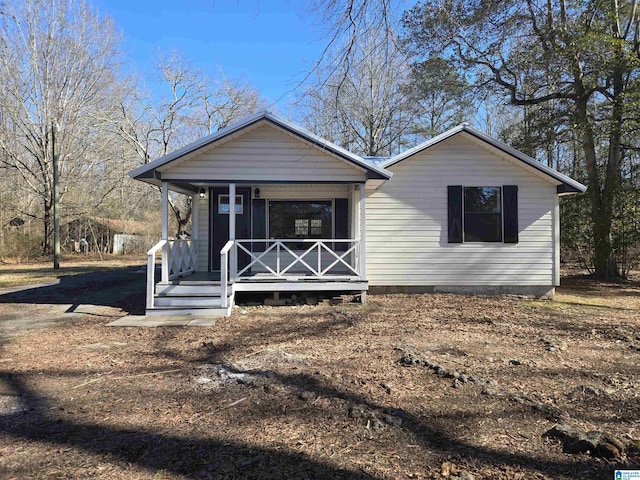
(165,232)
(195,209)
(363,233)
(233,258)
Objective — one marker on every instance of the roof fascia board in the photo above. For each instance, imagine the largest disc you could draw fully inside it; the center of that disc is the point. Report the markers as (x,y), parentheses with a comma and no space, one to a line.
(327,145)
(423,146)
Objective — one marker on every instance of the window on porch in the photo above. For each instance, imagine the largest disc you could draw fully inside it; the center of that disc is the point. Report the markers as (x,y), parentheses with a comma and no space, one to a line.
(300,219)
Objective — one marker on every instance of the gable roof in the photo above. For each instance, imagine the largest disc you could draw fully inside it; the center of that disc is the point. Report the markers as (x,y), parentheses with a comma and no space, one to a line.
(567,184)
(373,171)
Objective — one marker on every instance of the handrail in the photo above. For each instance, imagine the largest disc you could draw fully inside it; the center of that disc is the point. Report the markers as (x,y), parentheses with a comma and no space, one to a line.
(151,271)
(227,247)
(156,247)
(224,266)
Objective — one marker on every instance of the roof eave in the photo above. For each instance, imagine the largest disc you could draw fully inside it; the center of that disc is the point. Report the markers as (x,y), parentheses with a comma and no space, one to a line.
(565,190)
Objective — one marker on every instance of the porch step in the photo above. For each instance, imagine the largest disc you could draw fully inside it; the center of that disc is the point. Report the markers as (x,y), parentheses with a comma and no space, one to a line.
(168,311)
(189,301)
(182,290)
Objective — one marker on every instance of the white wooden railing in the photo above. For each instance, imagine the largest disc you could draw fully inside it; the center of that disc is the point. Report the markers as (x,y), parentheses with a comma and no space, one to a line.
(224,268)
(151,271)
(183,258)
(179,258)
(310,257)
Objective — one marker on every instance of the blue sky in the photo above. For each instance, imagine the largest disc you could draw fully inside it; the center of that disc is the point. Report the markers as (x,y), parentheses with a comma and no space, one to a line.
(269,43)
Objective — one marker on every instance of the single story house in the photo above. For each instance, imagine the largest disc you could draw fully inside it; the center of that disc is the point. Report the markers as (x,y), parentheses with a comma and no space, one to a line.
(277,208)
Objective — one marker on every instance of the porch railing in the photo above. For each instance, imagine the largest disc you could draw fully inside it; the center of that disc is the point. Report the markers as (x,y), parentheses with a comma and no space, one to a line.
(179,258)
(284,258)
(224,269)
(151,271)
(183,258)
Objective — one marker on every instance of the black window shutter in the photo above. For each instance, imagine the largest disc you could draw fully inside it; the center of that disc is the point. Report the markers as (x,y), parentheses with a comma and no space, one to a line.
(341,219)
(454,207)
(259,222)
(341,215)
(510,213)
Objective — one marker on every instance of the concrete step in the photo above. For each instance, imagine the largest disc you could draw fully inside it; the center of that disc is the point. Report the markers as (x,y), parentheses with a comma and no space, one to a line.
(181,290)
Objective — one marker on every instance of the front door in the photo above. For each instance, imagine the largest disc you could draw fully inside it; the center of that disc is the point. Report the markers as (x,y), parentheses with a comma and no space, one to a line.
(219,234)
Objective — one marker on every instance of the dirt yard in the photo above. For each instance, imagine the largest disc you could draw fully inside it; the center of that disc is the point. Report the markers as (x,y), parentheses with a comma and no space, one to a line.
(412,386)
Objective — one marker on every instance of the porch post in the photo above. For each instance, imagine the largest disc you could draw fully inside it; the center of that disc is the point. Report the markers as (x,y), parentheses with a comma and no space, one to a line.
(165,232)
(195,209)
(195,225)
(363,233)
(232,231)
(363,241)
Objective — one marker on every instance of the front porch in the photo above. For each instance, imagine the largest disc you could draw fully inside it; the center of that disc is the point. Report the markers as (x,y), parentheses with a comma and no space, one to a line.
(274,208)
(177,283)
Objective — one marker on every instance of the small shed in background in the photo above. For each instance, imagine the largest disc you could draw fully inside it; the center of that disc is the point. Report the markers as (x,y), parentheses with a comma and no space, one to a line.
(105,235)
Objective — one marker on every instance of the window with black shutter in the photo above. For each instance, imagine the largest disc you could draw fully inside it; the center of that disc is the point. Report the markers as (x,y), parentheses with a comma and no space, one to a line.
(482,214)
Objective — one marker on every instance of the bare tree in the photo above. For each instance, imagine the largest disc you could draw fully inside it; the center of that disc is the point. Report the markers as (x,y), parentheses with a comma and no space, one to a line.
(225,101)
(349,23)
(364,107)
(186,106)
(58,65)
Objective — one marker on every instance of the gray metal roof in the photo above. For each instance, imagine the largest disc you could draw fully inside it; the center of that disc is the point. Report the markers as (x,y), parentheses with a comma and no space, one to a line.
(376,161)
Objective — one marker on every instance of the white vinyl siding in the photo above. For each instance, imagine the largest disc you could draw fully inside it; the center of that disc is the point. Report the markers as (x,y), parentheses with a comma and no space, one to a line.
(303,192)
(407,223)
(264,154)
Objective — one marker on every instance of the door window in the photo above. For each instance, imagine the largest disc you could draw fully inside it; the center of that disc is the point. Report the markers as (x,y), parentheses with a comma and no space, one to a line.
(223,205)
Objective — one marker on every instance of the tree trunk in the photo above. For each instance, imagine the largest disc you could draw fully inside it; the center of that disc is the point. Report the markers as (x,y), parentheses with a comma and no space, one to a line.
(48,228)
(601,198)
(602,193)
(603,262)
(182,219)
